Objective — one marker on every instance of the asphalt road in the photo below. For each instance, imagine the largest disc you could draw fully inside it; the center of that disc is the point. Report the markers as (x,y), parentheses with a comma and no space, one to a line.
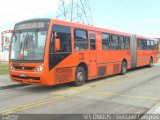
(134,93)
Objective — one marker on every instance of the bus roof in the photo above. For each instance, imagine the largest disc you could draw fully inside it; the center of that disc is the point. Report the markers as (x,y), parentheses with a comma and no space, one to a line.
(92,28)
(148,38)
(35,20)
(81,26)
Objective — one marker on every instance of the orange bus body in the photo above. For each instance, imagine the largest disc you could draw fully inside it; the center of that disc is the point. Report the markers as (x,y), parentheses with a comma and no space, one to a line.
(61,67)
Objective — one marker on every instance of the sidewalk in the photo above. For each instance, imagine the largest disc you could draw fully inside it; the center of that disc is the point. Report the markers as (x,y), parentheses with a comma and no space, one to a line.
(156,108)
(5,81)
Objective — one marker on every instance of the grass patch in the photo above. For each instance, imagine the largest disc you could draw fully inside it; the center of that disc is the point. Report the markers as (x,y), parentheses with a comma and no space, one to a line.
(3,68)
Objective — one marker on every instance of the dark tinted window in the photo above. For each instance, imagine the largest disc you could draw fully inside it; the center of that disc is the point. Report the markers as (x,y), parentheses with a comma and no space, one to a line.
(156,45)
(92,41)
(80,41)
(140,47)
(63,33)
(121,43)
(148,44)
(114,42)
(152,45)
(127,43)
(105,41)
(144,44)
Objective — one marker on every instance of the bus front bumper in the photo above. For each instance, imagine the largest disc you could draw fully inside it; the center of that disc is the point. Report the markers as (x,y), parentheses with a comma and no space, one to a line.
(37,78)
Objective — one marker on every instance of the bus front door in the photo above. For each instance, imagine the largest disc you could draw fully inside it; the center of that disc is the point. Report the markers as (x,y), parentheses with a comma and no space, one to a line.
(92,56)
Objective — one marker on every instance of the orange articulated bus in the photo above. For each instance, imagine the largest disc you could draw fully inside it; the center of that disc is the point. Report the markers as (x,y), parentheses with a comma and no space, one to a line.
(51,52)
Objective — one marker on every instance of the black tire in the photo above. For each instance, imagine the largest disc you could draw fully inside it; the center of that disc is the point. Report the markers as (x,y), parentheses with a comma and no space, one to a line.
(80,76)
(151,62)
(124,68)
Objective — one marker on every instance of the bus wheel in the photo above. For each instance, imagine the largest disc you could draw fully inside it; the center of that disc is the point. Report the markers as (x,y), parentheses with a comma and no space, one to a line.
(124,68)
(151,62)
(80,76)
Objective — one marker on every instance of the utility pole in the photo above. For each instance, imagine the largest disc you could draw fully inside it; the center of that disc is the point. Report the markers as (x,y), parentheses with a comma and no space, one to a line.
(61,13)
(75,11)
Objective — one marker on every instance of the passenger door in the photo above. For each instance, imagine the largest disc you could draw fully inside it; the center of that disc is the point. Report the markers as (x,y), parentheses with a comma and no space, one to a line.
(92,56)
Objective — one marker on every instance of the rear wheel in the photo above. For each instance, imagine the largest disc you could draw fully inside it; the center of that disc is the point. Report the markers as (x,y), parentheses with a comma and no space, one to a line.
(151,62)
(80,76)
(124,68)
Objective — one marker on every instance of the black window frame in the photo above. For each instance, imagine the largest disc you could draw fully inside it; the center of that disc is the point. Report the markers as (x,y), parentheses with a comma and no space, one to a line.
(79,49)
(117,46)
(108,46)
(148,45)
(139,41)
(144,44)
(92,35)
(121,42)
(125,45)
(156,45)
(52,39)
(152,46)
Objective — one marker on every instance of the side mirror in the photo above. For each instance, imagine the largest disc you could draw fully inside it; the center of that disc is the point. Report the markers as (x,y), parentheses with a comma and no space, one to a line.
(57,45)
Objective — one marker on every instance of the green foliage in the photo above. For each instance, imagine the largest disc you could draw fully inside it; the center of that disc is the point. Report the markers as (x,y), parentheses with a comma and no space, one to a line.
(3,68)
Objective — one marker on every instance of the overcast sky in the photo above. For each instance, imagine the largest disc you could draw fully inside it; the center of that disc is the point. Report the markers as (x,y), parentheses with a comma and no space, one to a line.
(133,16)
(12,11)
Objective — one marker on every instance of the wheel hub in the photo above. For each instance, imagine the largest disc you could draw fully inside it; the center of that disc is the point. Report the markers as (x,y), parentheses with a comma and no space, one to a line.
(80,76)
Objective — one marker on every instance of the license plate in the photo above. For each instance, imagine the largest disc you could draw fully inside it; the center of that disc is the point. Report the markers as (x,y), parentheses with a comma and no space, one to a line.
(23,75)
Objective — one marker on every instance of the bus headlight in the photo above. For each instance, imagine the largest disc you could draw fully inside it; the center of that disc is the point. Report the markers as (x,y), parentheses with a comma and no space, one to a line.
(39,69)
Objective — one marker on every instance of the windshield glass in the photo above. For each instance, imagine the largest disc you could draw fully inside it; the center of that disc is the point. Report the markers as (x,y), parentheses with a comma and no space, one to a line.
(28,45)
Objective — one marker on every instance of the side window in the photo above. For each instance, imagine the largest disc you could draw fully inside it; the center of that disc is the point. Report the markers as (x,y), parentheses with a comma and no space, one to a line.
(92,41)
(144,44)
(155,45)
(148,44)
(114,42)
(63,33)
(105,41)
(121,43)
(139,44)
(80,39)
(127,43)
(152,45)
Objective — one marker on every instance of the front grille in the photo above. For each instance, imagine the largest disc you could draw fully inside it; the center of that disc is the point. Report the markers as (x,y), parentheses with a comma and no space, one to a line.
(23,68)
(63,75)
(26,78)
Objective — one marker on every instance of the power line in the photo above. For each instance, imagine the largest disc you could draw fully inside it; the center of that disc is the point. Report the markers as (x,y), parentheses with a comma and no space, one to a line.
(75,11)
(126,4)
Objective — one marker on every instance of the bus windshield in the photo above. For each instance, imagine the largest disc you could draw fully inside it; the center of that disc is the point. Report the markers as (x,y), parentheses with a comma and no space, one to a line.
(28,45)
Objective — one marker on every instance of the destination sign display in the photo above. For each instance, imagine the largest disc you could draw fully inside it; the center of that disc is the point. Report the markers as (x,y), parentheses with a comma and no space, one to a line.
(32,25)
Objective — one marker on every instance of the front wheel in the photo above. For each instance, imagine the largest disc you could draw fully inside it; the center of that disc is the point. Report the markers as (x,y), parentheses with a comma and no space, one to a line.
(80,76)
(124,68)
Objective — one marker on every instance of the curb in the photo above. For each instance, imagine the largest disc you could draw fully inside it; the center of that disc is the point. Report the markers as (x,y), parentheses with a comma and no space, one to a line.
(11,86)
